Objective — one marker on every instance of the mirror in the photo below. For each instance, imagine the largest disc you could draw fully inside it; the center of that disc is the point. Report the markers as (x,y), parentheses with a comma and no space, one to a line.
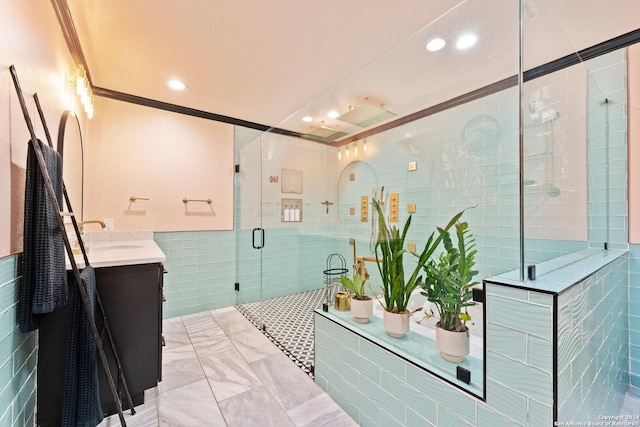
(71,151)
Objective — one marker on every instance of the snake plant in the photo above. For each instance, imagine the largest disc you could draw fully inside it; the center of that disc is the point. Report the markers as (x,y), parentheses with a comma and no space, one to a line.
(389,251)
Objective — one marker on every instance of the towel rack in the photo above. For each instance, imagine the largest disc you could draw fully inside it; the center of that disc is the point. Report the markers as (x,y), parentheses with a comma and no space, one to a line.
(185,200)
(134,198)
(76,272)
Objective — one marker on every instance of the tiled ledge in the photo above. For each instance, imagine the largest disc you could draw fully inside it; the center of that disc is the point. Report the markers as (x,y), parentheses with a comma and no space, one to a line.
(418,349)
(557,275)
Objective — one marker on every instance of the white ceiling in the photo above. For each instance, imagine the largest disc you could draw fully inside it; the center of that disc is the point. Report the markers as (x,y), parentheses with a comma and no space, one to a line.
(273,62)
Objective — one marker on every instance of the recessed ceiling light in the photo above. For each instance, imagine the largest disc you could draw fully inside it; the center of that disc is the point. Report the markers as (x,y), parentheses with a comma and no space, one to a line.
(307,119)
(435,45)
(466,41)
(176,84)
(333,114)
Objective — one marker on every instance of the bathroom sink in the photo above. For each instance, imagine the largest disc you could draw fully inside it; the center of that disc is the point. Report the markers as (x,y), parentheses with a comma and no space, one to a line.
(118,247)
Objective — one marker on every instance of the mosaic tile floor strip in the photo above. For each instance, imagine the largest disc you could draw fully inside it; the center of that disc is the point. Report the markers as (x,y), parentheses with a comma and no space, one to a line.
(288,322)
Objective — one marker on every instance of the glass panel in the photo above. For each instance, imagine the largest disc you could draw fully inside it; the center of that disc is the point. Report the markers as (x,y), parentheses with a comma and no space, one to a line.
(295,184)
(555,165)
(458,149)
(574,161)
(248,214)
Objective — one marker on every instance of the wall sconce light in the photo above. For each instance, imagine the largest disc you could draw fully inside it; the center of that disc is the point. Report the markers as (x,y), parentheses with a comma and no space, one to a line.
(355,148)
(339,153)
(346,151)
(364,145)
(83,89)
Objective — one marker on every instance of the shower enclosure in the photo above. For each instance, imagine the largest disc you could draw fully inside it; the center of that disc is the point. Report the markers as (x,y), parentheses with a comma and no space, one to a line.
(533,146)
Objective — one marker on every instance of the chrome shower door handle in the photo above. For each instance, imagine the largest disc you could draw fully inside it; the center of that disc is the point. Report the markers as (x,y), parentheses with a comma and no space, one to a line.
(253,238)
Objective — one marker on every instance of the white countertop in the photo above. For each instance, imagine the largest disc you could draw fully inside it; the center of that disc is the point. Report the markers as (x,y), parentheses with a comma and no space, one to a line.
(117,248)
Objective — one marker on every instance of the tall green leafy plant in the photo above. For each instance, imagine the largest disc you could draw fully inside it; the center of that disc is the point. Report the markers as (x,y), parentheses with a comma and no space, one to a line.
(389,250)
(449,279)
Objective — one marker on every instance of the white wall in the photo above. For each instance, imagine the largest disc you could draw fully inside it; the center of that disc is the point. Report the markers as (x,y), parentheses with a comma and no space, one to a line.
(32,41)
(144,152)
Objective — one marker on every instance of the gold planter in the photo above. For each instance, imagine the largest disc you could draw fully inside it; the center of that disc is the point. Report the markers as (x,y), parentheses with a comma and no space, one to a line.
(342,301)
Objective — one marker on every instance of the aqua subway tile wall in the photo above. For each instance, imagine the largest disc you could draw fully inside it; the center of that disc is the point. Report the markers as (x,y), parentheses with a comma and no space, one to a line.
(593,347)
(634,314)
(517,378)
(201,271)
(519,383)
(18,353)
(378,388)
(455,170)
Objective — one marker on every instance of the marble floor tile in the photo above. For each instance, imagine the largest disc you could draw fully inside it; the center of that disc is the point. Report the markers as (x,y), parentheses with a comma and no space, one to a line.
(174,333)
(231,321)
(219,370)
(210,343)
(198,322)
(228,374)
(206,335)
(289,387)
(190,405)
(320,411)
(180,366)
(255,407)
(146,414)
(253,345)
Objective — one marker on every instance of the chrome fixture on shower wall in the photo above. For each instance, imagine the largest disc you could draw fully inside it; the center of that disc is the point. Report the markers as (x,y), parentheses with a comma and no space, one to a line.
(542,113)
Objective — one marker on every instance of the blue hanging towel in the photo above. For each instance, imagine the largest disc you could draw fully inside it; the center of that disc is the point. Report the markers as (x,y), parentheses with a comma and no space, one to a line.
(81,407)
(44,278)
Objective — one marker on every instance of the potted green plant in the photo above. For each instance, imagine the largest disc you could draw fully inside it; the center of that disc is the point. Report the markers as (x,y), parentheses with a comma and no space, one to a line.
(448,285)
(396,289)
(361,303)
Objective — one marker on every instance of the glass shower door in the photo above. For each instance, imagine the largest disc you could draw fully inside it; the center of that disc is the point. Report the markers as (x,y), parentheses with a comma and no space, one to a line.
(286,213)
(250,237)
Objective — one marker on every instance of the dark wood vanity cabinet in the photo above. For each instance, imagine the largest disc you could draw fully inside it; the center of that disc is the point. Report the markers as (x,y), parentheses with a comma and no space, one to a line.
(132,299)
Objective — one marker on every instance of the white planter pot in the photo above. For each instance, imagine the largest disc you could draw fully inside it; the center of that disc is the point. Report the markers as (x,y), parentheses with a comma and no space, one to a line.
(396,324)
(453,346)
(362,310)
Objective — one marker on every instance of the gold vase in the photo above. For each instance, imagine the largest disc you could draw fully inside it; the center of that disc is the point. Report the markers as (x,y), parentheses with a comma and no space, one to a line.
(342,301)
